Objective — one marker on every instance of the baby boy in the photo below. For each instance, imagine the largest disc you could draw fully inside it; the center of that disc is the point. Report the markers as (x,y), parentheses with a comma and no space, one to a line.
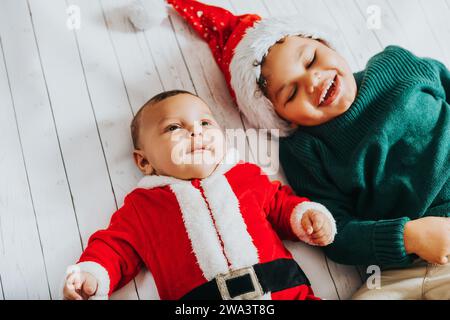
(206,225)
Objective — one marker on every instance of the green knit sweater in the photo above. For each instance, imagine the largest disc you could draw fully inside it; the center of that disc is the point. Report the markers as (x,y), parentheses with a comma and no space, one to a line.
(383,162)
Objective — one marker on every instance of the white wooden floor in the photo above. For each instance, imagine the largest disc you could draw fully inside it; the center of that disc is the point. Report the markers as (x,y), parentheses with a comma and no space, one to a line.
(67,97)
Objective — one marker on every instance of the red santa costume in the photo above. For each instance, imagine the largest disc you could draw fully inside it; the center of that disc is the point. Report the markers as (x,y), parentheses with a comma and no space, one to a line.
(217,238)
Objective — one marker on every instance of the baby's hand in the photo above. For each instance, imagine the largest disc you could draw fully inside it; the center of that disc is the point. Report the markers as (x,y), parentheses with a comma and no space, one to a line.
(317,227)
(79,285)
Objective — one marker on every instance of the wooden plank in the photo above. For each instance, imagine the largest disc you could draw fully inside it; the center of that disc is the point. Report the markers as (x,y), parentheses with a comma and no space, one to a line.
(26,276)
(437,17)
(279,8)
(140,75)
(22,267)
(362,41)
(166,53)
(417,30)
(317,11)
(1,290)
(141,80)
(79,136)
(391,30)
(251,6)
(111,106)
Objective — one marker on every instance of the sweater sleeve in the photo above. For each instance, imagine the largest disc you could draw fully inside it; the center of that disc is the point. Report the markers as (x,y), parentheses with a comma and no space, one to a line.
(111,254)
(358,242)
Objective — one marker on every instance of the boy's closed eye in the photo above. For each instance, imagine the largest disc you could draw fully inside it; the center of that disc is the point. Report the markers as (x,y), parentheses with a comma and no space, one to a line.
(292,95)
(309,63)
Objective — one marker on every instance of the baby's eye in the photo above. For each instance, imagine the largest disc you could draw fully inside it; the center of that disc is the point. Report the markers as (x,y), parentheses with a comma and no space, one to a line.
(173,127)
(205,123)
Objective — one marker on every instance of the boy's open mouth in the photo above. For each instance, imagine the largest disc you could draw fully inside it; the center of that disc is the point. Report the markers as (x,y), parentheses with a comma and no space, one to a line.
(330,92)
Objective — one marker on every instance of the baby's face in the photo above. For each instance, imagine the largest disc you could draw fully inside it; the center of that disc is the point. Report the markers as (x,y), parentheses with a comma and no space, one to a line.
(307,82)
(179,137)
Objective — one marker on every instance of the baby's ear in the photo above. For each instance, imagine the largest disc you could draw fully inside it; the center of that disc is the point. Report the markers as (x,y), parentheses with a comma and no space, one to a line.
(142,163)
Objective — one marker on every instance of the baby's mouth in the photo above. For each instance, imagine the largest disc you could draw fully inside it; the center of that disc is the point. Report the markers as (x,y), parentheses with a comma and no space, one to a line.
(199,149)
(330,92)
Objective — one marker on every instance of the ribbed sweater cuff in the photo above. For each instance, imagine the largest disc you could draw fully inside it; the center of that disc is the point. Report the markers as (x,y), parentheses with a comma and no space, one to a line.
(389,246)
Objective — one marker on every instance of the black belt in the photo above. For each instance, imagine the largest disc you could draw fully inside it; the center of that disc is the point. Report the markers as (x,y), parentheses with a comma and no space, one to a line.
(251,282)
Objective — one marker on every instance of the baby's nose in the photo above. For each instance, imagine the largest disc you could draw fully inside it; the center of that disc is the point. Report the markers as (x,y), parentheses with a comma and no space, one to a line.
(194,134)
(196,130)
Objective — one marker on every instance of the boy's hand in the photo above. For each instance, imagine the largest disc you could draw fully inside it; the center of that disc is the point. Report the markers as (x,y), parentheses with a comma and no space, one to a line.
(429,238)
(318,228)
(80,286)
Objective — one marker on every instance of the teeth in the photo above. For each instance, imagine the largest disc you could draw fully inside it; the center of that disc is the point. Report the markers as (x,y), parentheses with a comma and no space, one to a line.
(326,91)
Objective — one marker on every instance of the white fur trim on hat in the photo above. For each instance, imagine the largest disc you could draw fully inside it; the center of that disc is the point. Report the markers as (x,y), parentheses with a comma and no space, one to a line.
(297,215)
(245,66)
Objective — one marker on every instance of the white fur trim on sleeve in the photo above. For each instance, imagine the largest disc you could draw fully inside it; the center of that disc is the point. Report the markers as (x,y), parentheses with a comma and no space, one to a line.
(99,272)
(297,215)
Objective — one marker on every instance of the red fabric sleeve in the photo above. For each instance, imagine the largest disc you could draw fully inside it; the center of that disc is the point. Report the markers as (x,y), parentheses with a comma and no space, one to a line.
(115,248)
(279,205)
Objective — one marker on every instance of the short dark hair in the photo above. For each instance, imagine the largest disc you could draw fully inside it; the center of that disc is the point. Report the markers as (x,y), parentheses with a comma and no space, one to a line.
(135,123)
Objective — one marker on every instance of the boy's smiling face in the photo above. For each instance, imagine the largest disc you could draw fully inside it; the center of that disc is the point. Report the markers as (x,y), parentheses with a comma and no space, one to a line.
(307,82)
(179,137)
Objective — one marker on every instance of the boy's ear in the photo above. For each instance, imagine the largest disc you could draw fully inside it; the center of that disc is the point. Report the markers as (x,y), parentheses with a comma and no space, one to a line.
(142,163)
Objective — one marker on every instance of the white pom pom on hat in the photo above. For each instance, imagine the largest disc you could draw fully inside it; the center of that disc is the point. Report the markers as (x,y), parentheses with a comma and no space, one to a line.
(143,19)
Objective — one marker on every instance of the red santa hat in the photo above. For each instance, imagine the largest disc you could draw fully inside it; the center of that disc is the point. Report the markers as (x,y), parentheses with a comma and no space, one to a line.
(239,44)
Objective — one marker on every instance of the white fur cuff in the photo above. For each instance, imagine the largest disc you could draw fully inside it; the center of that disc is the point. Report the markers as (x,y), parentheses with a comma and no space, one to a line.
(99,272)
(297,215)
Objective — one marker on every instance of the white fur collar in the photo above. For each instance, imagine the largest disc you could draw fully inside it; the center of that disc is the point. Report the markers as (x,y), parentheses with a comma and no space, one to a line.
(229,161)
